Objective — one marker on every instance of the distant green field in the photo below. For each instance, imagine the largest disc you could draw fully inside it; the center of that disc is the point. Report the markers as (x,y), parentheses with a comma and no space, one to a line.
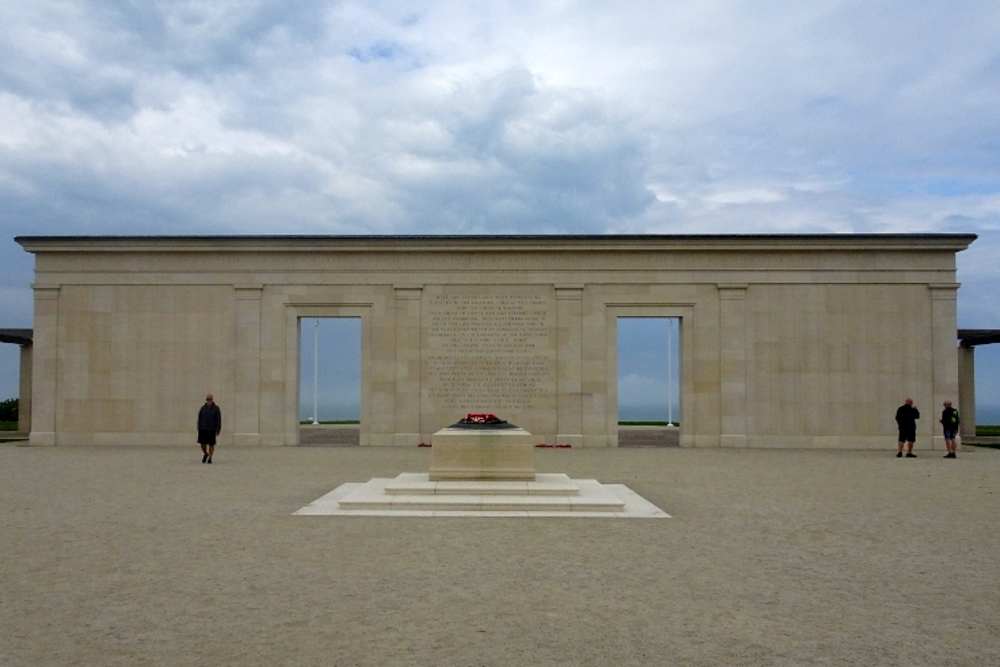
(345,421)
(647,423)
(8,426)
(987,429)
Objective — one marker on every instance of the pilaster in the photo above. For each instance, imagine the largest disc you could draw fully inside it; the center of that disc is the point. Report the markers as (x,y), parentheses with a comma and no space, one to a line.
(246,404)
(569,364)
(45,365)
(733,364)
(407,409)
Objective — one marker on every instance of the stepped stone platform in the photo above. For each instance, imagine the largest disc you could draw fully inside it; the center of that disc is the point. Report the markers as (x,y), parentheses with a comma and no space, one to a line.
(483,472)
(550,495)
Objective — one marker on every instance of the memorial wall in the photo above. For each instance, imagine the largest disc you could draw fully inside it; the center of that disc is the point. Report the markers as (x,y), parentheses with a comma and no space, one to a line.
(786,341)
(490,352)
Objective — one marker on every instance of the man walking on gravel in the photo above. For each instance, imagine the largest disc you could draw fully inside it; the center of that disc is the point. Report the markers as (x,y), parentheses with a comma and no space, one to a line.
(209,426)
(906,418)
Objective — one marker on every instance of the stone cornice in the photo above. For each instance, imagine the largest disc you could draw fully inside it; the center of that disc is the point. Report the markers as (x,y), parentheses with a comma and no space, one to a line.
(500,243)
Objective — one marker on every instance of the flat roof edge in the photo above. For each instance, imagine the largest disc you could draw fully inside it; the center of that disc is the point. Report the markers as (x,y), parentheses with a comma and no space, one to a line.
(16,336)
(953,242)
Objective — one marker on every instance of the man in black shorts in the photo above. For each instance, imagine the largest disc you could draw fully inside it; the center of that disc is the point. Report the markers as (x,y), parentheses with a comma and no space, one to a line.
(906,418)
(950,422)
(209,426)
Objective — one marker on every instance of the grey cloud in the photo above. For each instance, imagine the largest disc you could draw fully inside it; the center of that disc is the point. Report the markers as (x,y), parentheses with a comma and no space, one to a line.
(966,224)
(94,55)
(521,155)
(204,38)
(382,51)
(836,92)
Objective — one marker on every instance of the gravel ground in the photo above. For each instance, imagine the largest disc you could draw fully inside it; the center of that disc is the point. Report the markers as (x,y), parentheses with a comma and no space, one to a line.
(144,556)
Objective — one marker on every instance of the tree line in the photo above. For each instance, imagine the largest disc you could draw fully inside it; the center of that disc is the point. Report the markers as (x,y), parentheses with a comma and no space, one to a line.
(8,410)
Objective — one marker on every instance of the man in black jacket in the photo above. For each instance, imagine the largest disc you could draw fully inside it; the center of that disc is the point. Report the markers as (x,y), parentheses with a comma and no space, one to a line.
(209,426)
(949,422)
(906,418)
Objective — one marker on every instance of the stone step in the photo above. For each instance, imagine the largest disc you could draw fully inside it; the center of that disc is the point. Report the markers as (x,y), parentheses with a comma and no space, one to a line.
(483,503)
(417,484)
(413,492)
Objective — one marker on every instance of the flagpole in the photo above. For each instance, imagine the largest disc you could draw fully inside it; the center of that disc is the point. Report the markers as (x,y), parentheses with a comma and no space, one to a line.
(315,369)
(670,374)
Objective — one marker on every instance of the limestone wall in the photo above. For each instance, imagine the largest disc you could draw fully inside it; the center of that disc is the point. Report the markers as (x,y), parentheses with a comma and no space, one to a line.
(785,341)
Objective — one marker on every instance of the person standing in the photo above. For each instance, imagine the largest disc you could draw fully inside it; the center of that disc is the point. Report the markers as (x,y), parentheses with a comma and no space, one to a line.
(949,422)
(906,418)
(209,427)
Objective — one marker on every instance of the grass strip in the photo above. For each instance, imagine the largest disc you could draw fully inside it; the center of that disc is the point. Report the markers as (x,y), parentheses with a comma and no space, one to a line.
(335,421)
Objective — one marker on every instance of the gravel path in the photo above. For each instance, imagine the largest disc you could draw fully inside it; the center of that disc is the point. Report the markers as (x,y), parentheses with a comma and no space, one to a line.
(144,556)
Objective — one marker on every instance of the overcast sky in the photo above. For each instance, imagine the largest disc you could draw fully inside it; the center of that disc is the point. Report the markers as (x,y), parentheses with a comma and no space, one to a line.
(542,116)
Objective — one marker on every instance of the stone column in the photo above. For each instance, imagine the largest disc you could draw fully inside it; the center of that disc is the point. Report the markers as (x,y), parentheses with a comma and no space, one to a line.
(246,406)
(945,361)
(407,410)
(24,391)
(597,374)
(967,391)
(733,364)
(44,366)
(569,365)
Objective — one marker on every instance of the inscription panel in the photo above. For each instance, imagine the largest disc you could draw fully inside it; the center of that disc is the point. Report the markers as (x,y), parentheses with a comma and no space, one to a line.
(489,352)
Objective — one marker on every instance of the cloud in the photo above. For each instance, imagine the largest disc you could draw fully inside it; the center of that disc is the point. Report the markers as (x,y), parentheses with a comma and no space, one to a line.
(540,116)
(744,196)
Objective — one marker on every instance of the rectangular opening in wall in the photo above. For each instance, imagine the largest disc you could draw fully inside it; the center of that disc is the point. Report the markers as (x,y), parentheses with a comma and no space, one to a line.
(329,381)
(648,381)
(10,385)
(987,381)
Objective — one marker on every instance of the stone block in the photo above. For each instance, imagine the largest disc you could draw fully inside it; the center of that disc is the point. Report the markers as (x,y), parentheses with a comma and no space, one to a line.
(483,454)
